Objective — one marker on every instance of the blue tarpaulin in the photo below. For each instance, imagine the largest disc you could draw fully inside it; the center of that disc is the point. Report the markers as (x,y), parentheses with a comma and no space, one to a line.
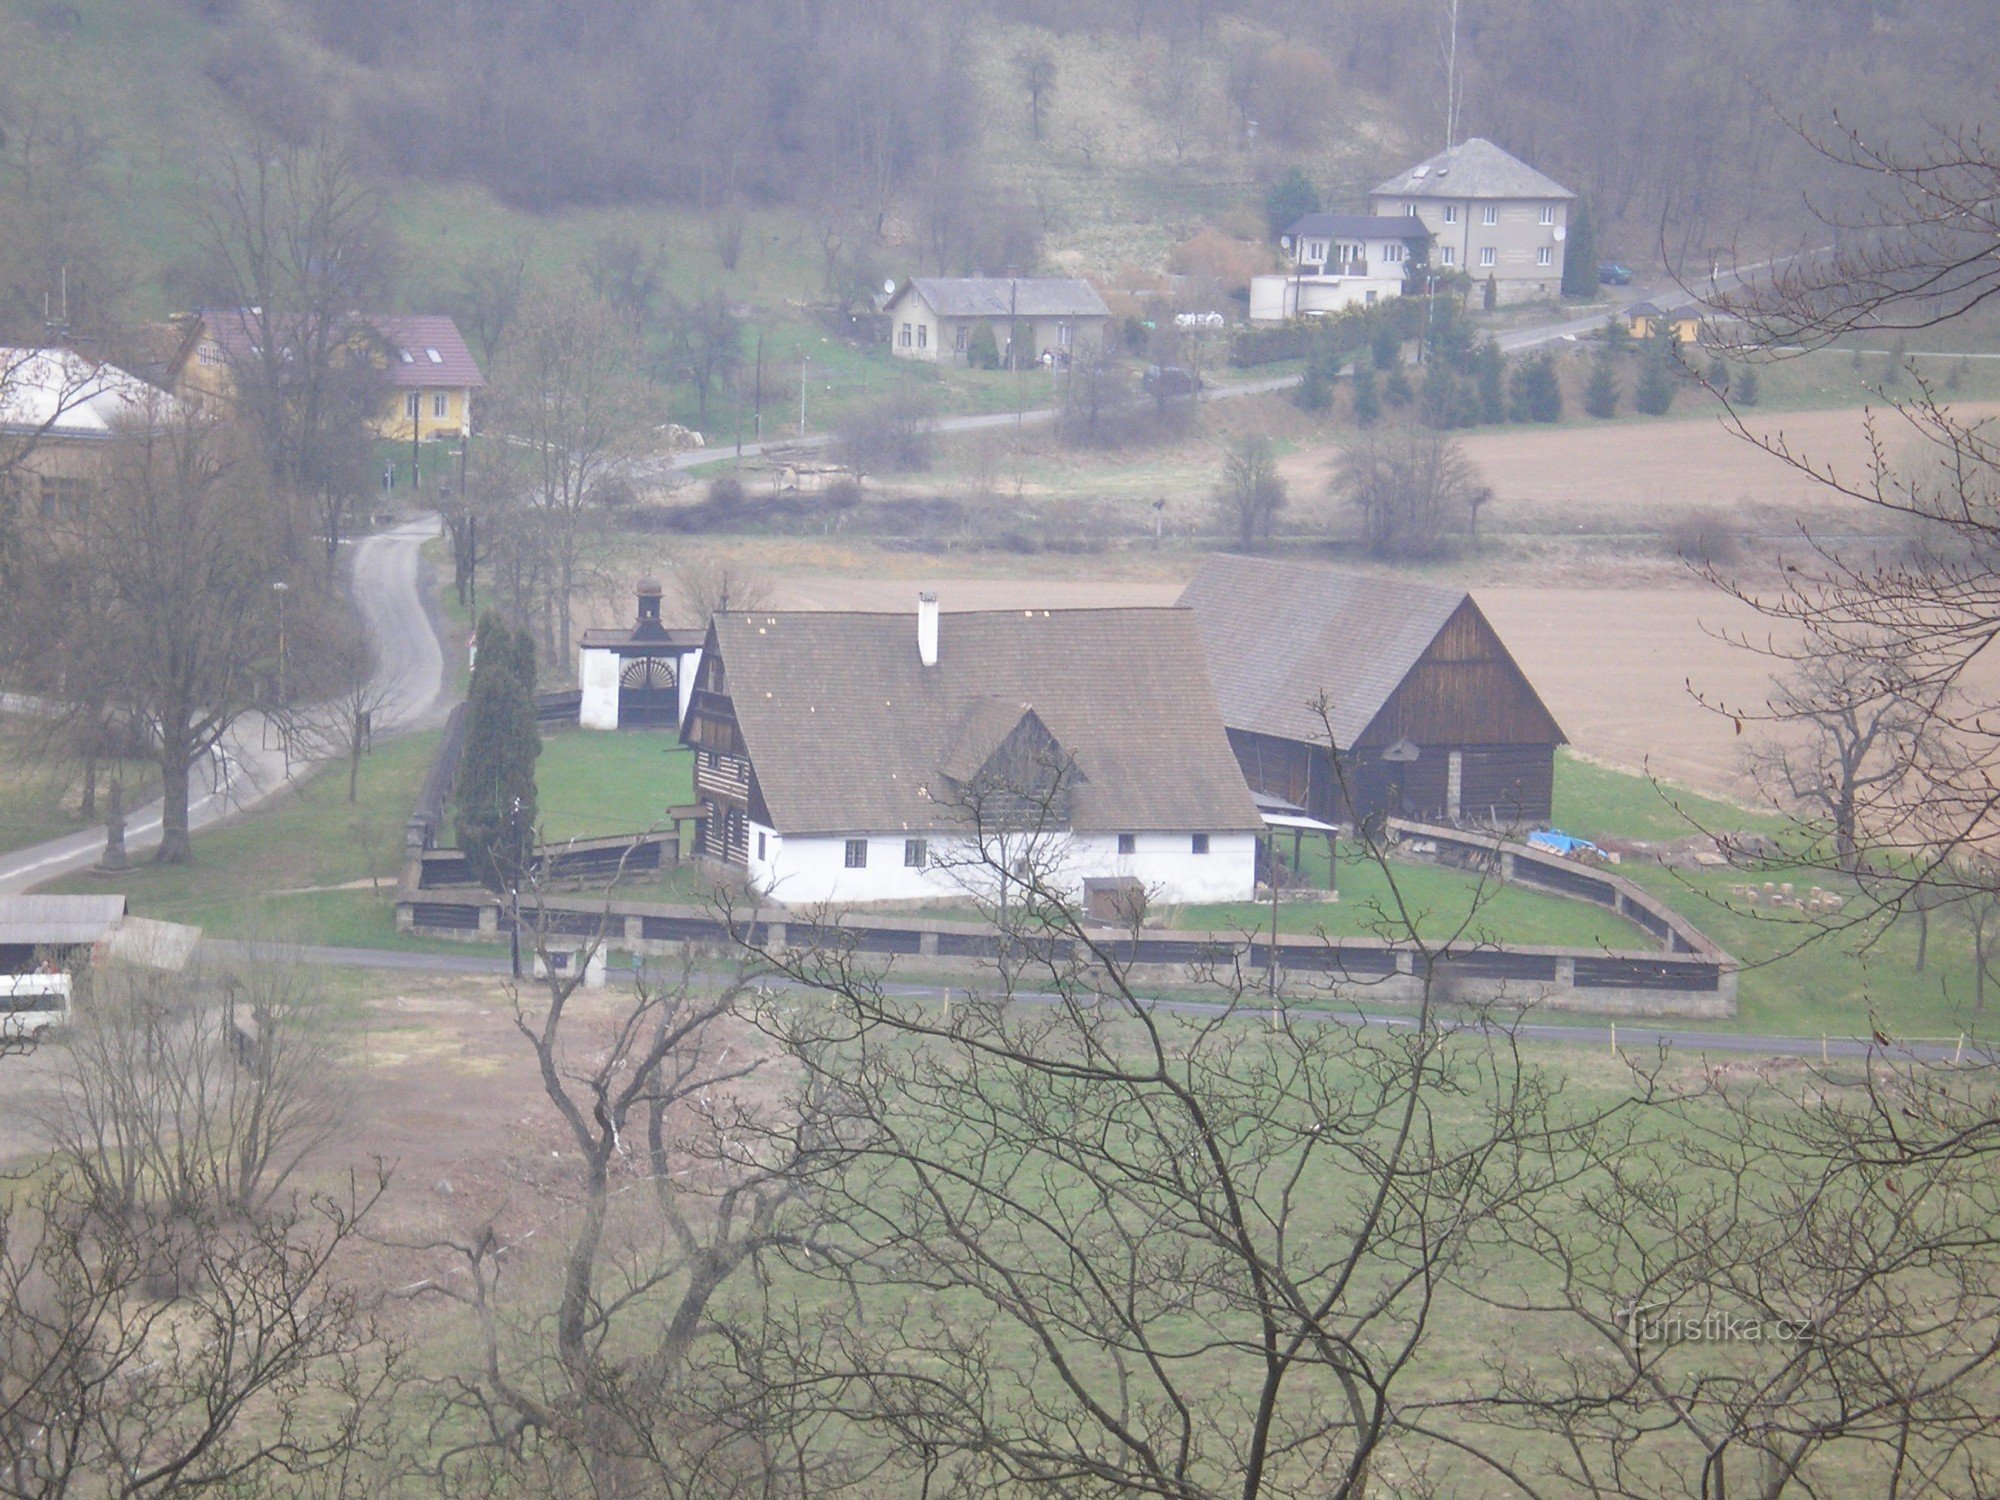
(1555,841)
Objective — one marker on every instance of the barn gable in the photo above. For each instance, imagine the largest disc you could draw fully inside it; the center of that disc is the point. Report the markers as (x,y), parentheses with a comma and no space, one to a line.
(1466,688)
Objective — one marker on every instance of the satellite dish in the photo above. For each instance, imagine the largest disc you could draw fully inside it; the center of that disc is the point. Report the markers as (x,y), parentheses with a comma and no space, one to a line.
(1284,242)
(889,287)
(1561,234)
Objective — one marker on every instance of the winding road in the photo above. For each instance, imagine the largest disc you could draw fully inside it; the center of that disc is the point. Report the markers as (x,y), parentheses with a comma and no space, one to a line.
(385,575)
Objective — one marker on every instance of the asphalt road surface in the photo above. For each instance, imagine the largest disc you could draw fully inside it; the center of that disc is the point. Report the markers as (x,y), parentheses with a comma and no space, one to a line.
(251,764)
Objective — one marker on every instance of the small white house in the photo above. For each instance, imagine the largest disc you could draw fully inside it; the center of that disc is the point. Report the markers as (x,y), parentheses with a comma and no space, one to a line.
(1338,261)
(640,678)
(1051,318)
(848,757)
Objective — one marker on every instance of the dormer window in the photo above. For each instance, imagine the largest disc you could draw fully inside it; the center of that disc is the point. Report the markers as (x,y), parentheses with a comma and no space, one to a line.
(408,358)
(433,356)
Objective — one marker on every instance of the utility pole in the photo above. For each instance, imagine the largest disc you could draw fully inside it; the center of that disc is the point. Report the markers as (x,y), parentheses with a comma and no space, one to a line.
(416,432)
(759,398)
(805,362)
(1014,346)
(280,588)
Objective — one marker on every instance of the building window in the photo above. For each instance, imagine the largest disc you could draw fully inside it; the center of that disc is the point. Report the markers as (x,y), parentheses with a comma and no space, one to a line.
(1489,214)
(208,354)
(857,854)
(923,335)
(1200,843)
(440,406)
(916,854)
(958,339)
(1548,213)
(1128,843)
(1409,210)
(1486,255)
(1546,256)
(1370,295)
(1451,213)
(904,338)
(1392,255)
(411,406)
(760,844)
(1447,255)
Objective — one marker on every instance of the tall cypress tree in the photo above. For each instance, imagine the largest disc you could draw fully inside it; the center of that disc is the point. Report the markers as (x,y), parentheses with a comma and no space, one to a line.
(496,813)
(1580,254)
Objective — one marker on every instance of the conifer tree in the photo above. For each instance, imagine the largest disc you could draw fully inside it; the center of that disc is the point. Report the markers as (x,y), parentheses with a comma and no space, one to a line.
(1654,393)
(1600,396)
(1367,401)
(496,814)
(1580,254)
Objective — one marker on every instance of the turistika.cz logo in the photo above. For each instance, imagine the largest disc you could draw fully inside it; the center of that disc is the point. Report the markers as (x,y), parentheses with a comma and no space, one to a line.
(1660,1323)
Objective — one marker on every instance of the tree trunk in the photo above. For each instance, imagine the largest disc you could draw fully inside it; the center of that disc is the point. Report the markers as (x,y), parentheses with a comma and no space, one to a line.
(175,848)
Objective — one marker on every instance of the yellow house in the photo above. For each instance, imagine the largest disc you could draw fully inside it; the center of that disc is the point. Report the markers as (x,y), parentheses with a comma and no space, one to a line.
(1685,322)
(429,372)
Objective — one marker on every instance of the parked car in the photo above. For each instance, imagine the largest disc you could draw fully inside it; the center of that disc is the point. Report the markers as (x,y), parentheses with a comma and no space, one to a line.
(1171,380)
(1613,274)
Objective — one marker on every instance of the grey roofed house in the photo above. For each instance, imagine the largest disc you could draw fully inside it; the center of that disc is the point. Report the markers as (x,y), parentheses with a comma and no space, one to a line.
(1475,168)
(993,296)
(847,731)
(1432,715)
(1358,227)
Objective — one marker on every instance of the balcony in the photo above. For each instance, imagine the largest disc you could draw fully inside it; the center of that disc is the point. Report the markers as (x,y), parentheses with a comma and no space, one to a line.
(1334,268)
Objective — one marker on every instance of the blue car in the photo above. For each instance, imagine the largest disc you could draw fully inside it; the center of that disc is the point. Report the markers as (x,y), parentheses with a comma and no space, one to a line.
(1613,274)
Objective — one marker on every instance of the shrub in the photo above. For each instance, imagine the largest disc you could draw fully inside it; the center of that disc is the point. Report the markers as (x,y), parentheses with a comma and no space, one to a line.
(726,492)
(895,435)
(982,350)
(1705,537)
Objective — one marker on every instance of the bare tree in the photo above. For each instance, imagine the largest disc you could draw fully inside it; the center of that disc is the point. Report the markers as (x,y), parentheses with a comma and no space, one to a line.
(1035,69)
(707,344)
(1413,488)
(625,274)
(1097,1245)
(643,1370)
(183,550)
(715,586)
(488,299)
(297,235)
(568,401)
(1252,491)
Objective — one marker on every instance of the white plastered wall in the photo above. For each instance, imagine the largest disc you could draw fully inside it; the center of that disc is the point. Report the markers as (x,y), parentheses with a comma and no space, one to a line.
(597,671)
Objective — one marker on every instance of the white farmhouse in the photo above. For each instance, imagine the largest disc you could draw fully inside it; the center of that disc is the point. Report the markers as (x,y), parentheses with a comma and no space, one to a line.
(1339,261)
(847,757)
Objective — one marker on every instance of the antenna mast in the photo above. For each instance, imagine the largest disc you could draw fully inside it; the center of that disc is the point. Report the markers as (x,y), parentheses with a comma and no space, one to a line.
(1451,89)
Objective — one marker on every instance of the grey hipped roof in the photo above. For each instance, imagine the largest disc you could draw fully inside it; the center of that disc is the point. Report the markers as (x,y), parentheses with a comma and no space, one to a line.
(1360,226)
(1473,169)
(1280,634)
(849,732)
(988,296)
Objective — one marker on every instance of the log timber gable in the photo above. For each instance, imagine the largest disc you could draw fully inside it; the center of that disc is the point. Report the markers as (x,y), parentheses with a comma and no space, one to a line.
(1434,717)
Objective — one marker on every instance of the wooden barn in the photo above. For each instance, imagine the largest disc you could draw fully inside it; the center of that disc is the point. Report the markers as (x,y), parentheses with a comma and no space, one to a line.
(1432,716)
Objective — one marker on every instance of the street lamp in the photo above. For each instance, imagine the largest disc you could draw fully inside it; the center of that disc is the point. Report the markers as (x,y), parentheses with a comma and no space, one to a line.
(281,588)
(514,885)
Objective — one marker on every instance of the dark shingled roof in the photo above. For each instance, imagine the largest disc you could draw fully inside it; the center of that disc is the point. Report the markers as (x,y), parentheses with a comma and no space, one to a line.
(1279,634)
(850,733)
(987,296)
(1473,169)
(1360,226)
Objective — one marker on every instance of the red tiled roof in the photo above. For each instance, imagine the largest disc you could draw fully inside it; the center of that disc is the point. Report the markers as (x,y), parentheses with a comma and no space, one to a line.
(425,350)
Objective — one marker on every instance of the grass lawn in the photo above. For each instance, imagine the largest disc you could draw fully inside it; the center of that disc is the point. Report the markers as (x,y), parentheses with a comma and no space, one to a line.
(590,783)
(1441,902)
(276,872)
(39,798)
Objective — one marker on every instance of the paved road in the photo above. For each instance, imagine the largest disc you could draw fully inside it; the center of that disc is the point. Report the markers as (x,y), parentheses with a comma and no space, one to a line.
(1639,1037)
(409,677)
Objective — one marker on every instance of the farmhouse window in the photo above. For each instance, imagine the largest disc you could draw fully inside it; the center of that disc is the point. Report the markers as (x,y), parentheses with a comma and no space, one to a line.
(857,854)
(1548,213)
(1392,254)
(1409,210)
(1489,215)
(1447,255)
(410,405)
(1200,843)
(441,405)
(904,340)
(923,335)
(1486,255)
(1546,256)
(760,845)
(1128,843)
(1451,213)
(916,853)
(958,339)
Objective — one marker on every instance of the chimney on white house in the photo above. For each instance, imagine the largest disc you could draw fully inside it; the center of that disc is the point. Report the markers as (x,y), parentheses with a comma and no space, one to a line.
(927,629)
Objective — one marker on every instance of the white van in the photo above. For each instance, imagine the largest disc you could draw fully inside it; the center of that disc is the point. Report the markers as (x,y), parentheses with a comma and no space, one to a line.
(30,1003)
